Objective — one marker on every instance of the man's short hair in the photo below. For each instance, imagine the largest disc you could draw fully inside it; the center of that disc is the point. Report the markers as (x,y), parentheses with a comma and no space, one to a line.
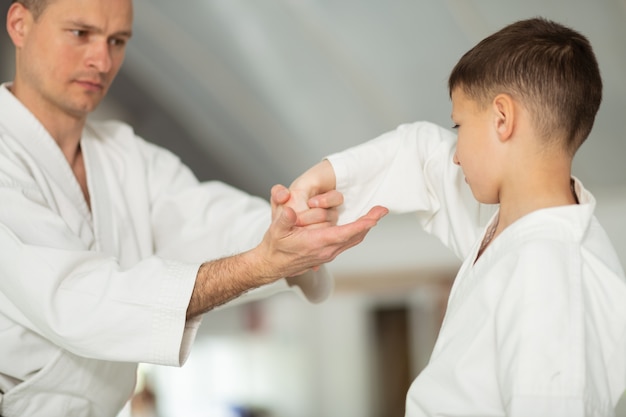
(551,69)
(36,7)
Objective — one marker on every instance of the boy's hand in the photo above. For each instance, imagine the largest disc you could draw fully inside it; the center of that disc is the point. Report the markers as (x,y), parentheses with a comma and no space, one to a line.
(318,210)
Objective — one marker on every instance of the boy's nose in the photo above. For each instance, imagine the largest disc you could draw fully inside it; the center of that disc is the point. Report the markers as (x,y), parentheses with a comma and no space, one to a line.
(455,159)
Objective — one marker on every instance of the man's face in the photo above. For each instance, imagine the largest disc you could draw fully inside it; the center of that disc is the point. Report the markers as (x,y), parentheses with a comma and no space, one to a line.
(69,56)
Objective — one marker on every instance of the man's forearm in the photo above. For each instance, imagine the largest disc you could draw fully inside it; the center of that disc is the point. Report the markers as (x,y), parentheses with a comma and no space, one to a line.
(286,250)
(223,280)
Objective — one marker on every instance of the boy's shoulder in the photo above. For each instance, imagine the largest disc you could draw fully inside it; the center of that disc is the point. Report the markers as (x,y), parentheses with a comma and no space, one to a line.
(566,241)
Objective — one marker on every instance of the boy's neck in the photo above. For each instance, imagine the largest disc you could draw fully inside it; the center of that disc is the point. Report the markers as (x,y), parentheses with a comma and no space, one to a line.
(543,189)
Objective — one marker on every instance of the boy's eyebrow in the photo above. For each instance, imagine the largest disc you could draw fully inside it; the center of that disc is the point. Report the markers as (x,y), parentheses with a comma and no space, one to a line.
(91,28)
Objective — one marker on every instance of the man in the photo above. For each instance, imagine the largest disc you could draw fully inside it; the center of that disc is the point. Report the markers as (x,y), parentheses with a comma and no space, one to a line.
(110,249)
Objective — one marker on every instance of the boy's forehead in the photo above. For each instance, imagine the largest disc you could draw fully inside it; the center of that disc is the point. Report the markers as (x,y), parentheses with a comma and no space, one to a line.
(457,94)
(458,98)
(464,104)
(454,101)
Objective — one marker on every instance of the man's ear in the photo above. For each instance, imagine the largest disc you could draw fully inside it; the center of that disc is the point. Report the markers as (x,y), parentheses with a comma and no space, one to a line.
(19,20)
(503,107)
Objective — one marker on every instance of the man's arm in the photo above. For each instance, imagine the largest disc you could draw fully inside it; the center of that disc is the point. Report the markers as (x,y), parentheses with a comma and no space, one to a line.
(287,249)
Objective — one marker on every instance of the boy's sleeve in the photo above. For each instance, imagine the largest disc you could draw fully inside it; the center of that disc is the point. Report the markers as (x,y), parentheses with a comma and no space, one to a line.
(411,169)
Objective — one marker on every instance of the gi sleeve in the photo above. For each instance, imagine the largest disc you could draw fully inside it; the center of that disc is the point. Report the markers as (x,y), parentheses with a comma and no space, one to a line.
(411,169)
(201,221)
(81,300)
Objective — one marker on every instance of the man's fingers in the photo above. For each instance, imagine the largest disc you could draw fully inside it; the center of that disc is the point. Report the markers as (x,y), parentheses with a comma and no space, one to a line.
(280,194)
(362,225)
(293,249)
(340,238)
(318,216)
(376,213)
(285,218)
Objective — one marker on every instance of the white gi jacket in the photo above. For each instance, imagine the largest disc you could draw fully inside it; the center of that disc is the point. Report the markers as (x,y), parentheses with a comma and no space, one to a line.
(86,295)
(537,325)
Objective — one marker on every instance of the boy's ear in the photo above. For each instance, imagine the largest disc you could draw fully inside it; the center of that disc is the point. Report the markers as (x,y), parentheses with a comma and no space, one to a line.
(504,116)
(19,19)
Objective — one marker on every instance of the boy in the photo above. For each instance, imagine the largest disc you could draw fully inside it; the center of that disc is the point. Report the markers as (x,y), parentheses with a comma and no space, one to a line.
(536,319)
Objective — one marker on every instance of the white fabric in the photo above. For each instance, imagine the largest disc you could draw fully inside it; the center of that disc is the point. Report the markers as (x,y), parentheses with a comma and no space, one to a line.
(537,325)
(86,295)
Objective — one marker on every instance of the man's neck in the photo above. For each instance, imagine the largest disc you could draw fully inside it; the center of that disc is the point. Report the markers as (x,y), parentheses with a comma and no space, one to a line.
(65,129)
(67,134)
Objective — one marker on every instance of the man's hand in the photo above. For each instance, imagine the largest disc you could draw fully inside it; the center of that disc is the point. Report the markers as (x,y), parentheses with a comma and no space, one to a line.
(295,242)
(286,250)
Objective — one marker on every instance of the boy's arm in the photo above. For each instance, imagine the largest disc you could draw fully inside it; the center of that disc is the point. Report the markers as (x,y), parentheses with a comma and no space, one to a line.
(407,170)
(388,170)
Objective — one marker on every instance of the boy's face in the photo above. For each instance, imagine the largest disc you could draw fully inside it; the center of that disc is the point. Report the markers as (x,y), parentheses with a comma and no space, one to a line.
(69,56)
(476,150)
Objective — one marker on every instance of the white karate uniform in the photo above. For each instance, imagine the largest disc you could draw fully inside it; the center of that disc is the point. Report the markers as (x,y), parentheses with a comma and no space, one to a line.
(87,294)
(537,325)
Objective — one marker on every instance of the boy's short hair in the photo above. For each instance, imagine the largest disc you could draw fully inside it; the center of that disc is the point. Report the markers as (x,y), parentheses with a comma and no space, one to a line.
(551,69)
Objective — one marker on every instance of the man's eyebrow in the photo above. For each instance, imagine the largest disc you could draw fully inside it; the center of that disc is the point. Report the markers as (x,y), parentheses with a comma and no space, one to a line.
(91,28)
(124,33)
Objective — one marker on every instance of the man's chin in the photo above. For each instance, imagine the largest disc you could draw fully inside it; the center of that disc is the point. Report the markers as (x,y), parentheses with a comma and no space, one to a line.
(88,104)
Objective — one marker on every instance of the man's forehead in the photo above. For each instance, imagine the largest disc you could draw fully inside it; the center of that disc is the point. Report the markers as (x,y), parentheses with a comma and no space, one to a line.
(109,15)
(105,7)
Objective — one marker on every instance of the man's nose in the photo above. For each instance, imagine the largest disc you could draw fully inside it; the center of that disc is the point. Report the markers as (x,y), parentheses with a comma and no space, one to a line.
(100,56)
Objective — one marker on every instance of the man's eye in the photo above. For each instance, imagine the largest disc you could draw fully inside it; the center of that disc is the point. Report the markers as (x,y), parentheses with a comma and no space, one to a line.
(455,126)
(79,33)
(117,42)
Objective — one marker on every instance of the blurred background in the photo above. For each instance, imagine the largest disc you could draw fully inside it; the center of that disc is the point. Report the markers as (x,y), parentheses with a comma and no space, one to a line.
(254,92)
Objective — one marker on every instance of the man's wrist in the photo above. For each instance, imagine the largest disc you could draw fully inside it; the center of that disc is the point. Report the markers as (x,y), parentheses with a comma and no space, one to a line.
(223,280)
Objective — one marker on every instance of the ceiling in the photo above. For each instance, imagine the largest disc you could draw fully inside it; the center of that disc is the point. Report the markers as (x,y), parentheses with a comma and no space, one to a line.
(260,90)
(254,92)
